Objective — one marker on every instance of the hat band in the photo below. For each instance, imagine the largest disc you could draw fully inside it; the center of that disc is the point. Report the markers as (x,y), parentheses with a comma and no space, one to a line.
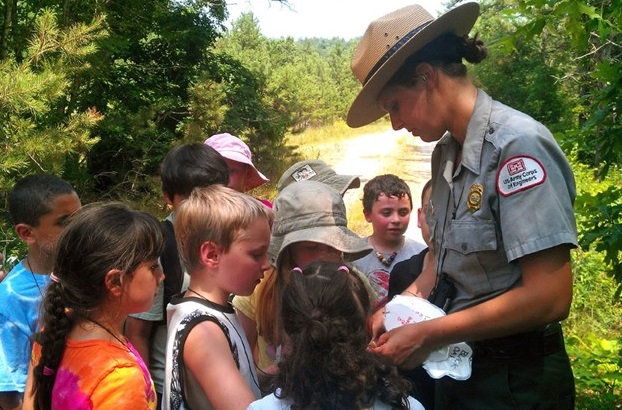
(394,49)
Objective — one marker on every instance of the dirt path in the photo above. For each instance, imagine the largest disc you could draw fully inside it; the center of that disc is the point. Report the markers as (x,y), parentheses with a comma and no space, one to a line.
(395,152)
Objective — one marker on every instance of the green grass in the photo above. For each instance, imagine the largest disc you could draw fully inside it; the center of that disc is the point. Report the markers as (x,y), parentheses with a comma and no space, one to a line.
(316,143)
(333,133)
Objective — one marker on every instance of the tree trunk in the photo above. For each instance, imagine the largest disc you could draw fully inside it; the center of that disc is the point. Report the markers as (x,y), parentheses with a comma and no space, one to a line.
(9,6)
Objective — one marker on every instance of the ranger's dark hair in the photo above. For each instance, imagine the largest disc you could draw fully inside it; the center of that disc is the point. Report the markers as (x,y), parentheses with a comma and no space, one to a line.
(446,52)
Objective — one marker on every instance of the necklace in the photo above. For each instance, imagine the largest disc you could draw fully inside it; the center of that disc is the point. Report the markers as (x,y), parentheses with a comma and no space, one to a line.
(203,297)
(383,260)
(108,331)
(34,278)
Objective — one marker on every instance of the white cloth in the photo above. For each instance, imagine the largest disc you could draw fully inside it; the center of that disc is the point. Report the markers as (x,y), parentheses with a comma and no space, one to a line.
(453,360)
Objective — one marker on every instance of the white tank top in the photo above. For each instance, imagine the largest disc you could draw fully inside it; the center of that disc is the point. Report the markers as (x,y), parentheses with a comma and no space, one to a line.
(182,315)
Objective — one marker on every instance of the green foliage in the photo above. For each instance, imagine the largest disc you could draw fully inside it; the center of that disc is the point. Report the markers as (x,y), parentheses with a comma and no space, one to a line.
(594,310)
(597,367)
(140,80)
(535,67)
(602,231)
(593,329)
(328,87)
(230,98)
(126,95)
(38,134)
(593,31)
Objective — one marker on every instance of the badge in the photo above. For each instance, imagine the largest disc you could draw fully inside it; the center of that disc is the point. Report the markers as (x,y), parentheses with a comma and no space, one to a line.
(474,200)
(519,174)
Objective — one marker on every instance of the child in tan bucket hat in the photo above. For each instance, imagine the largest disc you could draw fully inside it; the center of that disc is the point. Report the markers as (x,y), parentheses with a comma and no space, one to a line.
(500,215)
(310,224)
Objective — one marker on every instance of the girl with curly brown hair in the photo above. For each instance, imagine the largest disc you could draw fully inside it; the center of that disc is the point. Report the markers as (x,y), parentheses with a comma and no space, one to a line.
(324,311)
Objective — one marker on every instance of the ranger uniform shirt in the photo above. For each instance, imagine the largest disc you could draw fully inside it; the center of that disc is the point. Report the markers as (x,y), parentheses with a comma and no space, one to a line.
(511,195)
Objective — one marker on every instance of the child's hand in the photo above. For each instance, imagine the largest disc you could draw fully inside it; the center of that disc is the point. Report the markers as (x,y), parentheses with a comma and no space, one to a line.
(376,324)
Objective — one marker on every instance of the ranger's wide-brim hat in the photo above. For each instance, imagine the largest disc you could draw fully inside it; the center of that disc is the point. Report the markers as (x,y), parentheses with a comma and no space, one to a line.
(389,41)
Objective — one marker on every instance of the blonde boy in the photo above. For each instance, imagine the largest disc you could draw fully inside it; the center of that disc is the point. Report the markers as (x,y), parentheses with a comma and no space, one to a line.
(223,238)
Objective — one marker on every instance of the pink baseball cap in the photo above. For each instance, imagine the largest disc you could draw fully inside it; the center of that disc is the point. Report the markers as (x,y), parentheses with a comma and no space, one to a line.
(233,148)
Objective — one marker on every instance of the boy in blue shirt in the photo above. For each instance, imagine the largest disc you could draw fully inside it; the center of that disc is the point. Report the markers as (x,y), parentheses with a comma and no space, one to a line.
(39,206)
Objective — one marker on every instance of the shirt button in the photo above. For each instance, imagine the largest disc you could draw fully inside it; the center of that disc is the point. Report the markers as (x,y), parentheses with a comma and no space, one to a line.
(464,246)
(491,130)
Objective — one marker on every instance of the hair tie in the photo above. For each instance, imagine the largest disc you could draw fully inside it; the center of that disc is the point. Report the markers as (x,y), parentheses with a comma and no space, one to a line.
(344,269)
(68,311)
(54,278)
(47,371)
(297,270)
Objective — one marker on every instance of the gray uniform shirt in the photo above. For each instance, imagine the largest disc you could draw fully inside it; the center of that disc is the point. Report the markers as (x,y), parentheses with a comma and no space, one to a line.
(512,195)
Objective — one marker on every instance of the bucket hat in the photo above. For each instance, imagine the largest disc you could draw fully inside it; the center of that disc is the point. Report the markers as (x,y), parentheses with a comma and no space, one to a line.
(233,148)
(389,41)
(313,211)
(317,170)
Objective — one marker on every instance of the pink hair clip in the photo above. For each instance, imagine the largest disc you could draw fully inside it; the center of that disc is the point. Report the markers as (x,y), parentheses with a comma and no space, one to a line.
(344,269)
(54,278)
(297,270)
(47,371)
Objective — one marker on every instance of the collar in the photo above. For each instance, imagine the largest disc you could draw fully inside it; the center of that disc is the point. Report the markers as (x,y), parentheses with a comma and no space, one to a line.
(477,128)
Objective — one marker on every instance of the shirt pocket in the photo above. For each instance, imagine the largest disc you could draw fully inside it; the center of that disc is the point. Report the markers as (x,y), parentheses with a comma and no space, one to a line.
(473,258)
(472,236)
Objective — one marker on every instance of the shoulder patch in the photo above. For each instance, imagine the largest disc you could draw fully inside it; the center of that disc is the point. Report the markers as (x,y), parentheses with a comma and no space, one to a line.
(518,174)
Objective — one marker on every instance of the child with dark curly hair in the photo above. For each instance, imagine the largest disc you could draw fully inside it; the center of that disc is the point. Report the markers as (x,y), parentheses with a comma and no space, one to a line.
(324,311)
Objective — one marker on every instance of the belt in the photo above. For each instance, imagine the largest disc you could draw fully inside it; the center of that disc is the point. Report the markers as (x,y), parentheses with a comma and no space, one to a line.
(521,346)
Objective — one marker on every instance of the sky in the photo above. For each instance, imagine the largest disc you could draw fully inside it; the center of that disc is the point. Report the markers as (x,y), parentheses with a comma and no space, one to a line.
(321,18)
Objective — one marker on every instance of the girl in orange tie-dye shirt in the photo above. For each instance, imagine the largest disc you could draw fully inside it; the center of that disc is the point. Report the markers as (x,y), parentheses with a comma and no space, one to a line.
(106,268)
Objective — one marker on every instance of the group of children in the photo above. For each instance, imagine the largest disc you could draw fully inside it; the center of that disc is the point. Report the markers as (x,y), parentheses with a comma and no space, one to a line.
(302,333)
(139,313)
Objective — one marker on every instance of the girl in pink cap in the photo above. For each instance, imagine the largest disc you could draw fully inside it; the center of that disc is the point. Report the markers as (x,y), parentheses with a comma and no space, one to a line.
(243,176)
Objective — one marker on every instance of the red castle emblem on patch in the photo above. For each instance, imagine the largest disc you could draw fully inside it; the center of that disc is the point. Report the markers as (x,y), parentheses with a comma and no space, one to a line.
(516,167)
